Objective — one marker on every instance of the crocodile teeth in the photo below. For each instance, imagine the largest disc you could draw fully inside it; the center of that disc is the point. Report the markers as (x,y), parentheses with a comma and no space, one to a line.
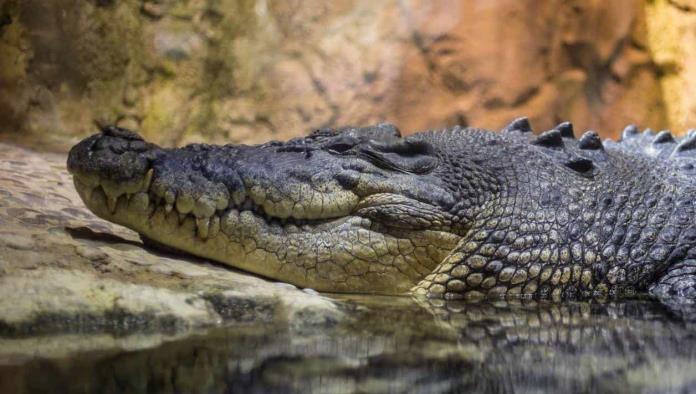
(88,192)
(184,203)
(111,203)
(168,207)
(204,207)
(147,180)
(169,197)
(203,225)
(140,202)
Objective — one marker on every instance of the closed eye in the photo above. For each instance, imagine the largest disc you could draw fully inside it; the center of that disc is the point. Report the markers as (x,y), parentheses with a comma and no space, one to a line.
(341,145)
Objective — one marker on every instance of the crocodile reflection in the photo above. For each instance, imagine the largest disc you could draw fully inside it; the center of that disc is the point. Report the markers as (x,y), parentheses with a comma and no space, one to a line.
(568,347)
(393,344)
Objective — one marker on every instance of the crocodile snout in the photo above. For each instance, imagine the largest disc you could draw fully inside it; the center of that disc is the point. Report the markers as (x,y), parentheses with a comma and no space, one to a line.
(116,162)
(115,153)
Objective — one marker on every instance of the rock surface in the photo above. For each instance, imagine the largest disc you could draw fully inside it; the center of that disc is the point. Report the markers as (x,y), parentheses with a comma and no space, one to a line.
(64,270)
(253,70)
(671,33)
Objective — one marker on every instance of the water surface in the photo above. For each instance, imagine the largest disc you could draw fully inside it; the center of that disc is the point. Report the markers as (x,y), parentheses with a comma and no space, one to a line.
(394,344)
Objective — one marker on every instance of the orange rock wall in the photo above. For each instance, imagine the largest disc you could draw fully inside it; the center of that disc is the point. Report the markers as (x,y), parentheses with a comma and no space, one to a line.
(252,70)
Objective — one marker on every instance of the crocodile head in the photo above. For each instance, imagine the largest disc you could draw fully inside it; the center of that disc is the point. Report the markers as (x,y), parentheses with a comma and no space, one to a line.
(353,209)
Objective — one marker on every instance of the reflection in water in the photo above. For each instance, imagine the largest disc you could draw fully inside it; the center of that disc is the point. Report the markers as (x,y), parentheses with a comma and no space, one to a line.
(399,344)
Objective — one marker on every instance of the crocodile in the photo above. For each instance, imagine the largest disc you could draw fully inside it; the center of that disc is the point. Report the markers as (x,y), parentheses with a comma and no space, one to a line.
(459,213)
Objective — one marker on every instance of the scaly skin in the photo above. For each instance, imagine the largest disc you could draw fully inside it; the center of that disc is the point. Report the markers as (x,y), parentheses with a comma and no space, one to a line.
(460,213)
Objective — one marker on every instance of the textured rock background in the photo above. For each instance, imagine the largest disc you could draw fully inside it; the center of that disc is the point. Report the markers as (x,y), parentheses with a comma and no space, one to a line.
(251,70)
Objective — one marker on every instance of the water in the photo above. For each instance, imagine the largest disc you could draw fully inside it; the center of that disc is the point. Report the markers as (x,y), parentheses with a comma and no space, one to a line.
(390,344)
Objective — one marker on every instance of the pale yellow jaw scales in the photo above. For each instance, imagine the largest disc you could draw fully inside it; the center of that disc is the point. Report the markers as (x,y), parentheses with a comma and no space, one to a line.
(344,255)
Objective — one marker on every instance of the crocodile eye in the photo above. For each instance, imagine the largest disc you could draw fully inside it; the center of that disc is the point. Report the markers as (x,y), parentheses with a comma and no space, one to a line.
(404,155)
(341,144)
(340,148)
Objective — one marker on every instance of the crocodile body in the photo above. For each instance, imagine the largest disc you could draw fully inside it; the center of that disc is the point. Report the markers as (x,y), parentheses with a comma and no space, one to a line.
(461,213)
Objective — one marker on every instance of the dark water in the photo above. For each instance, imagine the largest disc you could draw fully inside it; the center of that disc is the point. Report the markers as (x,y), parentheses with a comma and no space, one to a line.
(394,344)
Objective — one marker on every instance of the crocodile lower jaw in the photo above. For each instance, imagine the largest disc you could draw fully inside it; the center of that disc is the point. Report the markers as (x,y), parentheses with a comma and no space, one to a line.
(344,254)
